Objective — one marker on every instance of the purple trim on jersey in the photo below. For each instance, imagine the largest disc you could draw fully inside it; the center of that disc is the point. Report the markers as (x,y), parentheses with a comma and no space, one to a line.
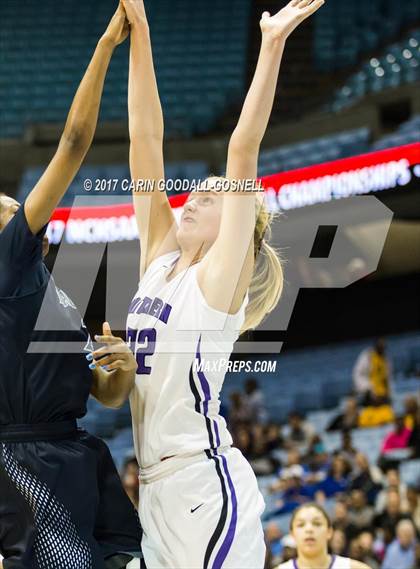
(216,428)
(332,562)
(203,380)
(295,565)
(227,543)
(206,390)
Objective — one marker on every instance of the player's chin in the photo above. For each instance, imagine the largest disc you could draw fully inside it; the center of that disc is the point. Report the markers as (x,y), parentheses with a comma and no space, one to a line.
(309,545)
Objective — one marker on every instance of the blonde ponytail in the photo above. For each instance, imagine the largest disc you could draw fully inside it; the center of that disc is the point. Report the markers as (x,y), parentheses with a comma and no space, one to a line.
(267,281)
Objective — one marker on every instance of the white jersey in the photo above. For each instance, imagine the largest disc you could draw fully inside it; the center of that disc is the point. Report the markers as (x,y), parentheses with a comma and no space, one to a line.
(337,562)
(173,331)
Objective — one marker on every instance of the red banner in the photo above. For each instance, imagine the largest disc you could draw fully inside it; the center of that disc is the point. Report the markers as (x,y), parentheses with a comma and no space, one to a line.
(368,173)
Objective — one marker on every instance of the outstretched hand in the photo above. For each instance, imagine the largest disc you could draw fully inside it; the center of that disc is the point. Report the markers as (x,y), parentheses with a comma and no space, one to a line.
(135,11)
(114,355)
(118,28)
(282,24)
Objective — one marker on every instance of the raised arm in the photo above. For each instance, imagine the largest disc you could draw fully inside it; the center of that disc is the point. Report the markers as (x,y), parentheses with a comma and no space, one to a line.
(155,220)
(230,260)
(78,131)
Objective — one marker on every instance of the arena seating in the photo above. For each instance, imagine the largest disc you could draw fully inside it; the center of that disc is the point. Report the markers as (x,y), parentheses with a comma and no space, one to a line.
(314,151)
(408,132)
(199,51)
(311,381)
(399,64)
(345,31)
(279,159)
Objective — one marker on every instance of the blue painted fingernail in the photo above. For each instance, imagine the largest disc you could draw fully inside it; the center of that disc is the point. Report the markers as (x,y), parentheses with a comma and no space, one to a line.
(89,357)
(92,366)
(105,368)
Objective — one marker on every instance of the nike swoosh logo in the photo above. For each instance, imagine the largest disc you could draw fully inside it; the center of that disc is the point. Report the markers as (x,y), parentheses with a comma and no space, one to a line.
(195,509)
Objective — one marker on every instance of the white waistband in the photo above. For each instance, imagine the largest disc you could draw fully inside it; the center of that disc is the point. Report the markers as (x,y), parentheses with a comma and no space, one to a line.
(173,464)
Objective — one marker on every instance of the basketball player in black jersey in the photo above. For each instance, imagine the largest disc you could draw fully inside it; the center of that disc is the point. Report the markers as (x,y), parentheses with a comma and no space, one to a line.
(62,505)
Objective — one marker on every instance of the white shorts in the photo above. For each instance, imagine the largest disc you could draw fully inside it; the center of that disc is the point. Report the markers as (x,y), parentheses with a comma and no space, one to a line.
(204,516)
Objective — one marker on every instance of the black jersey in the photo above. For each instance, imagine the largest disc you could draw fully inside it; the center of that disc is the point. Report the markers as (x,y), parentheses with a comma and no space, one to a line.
(48,385)
(62,505)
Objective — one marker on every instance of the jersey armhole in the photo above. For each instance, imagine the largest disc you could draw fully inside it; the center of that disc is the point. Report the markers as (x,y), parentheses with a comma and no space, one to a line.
(160,262)
(231,321)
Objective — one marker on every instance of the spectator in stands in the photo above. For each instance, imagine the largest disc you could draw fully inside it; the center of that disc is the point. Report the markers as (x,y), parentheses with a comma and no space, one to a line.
(417,555)
(254,402)
(295,492)
(348,419)
(259,459)
(273,437)
(392,481)
(342,520)
(412,421)
(367,554)
(413,506)
(411,411)
(243,440)
(338,543)
(348,452)
(130,480)
(391,516)
(238,414)
(337,480)
(364,478)
(401,553)
(360,513)
(289,548)
(371,375)
(259,447)
(292,467)
(398,438)
(361,549)
(273,538)
(298,433)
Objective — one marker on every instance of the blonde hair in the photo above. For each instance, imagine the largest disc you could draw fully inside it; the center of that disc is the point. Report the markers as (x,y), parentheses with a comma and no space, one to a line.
(2,195)
(267,280)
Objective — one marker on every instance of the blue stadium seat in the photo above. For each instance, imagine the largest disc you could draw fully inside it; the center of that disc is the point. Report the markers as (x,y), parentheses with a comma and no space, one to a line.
(46,74)
(399,64)
(314,151)
(345,31)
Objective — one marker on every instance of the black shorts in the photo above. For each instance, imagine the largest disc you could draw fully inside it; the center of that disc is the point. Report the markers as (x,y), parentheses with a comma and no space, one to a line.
(62,505)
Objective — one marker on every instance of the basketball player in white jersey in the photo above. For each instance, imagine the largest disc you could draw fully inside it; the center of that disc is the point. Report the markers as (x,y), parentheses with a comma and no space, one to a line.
(200,285)
(311,529)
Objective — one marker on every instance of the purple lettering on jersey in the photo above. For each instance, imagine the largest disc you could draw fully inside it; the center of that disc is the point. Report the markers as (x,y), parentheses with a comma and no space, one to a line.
(164,315)
(133,306)
(156,307)
(145,306)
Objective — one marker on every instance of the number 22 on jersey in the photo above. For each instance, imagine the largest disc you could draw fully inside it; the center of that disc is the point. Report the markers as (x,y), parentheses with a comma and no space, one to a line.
(145,340)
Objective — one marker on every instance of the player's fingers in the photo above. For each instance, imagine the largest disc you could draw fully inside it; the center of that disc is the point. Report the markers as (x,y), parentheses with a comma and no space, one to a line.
(97,354)
(106,329)
(107,339)
(316,4)
(108,359)
(303,3)
(116,365)
(119,348)
(265,15)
